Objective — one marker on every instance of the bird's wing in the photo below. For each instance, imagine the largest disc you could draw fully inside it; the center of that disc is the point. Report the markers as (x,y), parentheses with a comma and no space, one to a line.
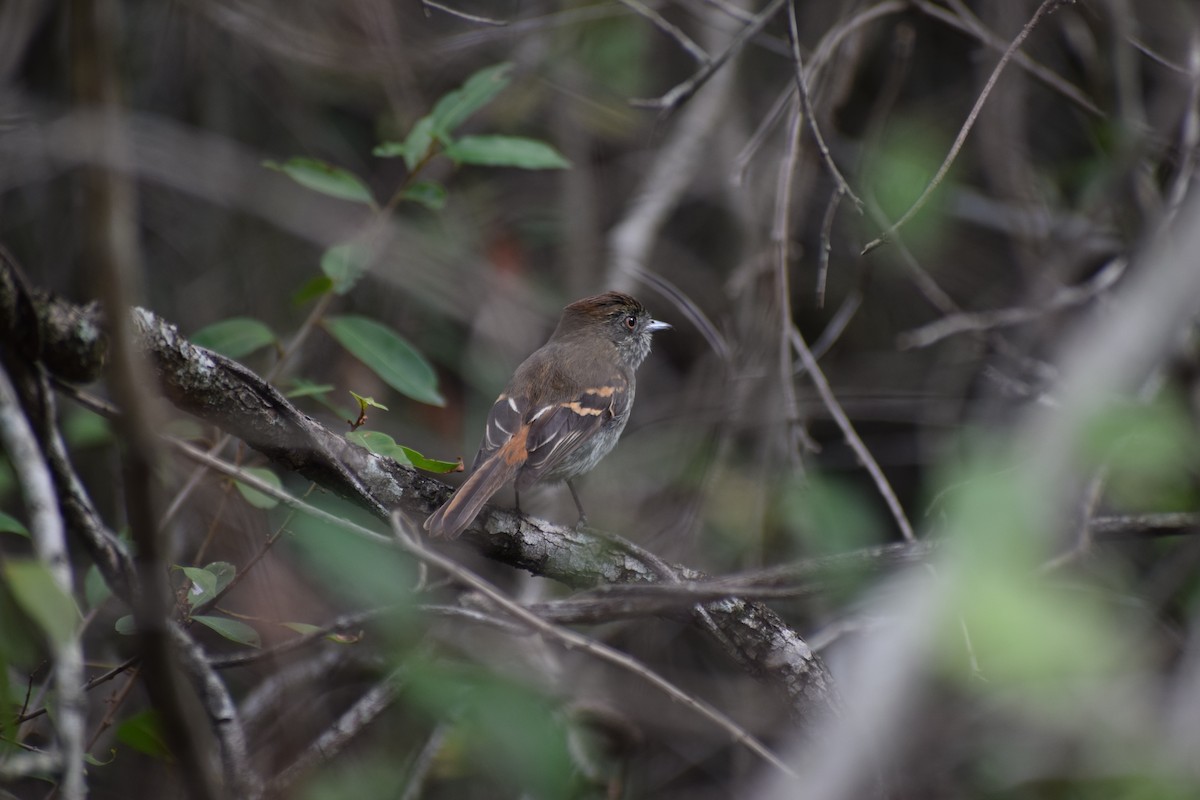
(557,430)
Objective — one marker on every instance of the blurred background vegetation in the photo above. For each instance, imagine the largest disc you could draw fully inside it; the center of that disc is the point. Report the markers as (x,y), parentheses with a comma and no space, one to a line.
(267,194)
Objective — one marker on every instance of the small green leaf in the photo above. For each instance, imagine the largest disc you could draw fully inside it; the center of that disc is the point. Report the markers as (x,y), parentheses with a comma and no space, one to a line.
(429,194)
(234,338)
(388,354)
(313,288)
(224,572)
(95,590)
(368,402)
(95,762)
(384,445)
(506,151)
(204,585)
(455,107)
(325,178)
(255,497)
(231,629)
(431,464)
(380,444)
(10,524)
(143,732)
(302,628)
(125,626)
(415,147)
(39,596)
(303,388)
(344,264)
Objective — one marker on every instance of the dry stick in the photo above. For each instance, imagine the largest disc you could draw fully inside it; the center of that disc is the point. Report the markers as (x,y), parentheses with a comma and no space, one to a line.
(694,50)
(1046,7)
(780,233)
(425,761)
(571,639)
(1189,138)
(967,22)
(806,106)
(826,245)
(18,441)
(821,55)
(852,438)
(683,91)
(454,12)
(1064,298)
(338,735)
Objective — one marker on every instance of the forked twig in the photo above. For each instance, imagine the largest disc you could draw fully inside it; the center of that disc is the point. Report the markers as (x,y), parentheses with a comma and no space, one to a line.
(852,437)
(571,639)
(1046,7)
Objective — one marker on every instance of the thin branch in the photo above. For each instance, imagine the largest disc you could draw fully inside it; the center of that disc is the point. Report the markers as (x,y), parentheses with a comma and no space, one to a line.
(694,50)
(454,12)
(964,20)
(49,542)
(806,106)
(571,639)
(240,778)
(851,436)
(1067,297)
(337,736)
(672,99)
(1046,7)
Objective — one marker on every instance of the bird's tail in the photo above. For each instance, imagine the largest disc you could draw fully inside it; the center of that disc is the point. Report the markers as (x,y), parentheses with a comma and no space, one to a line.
(457,512)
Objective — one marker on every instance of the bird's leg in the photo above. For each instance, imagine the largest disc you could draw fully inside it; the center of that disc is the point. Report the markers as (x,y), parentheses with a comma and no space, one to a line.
(582,523)
(517,494)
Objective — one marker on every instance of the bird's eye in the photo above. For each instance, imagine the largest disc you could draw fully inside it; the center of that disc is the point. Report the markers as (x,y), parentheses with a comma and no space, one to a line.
(631,322)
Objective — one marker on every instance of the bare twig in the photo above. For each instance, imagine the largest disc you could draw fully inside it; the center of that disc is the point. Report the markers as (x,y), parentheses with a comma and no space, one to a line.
(338,735)
(49,542)
(851,436)
(1046,7)
(1067,297)
(672,99)
(806,106)
(454,12)
(694,50)
(964,20)
(571,639)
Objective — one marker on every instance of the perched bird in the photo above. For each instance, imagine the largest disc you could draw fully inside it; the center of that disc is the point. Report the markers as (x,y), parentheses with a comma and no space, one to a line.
(562,411)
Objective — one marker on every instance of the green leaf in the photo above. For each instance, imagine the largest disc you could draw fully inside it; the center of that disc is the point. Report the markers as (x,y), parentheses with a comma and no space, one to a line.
(39,596)
(143,732)
(95,762)
(95,590)
(506,151)
(344,265)
(431,464)
(384,445)
(367,402)
(313,288)
(231,629)
(255,497)
(302,628)
(234,338)
(204,585)
(388,355)
(455,107)
(10,524)
(125,626)
(415,146)
(429,194)
(224,573)
(325,178)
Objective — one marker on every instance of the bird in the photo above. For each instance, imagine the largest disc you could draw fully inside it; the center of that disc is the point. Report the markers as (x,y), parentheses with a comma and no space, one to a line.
(563,410)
